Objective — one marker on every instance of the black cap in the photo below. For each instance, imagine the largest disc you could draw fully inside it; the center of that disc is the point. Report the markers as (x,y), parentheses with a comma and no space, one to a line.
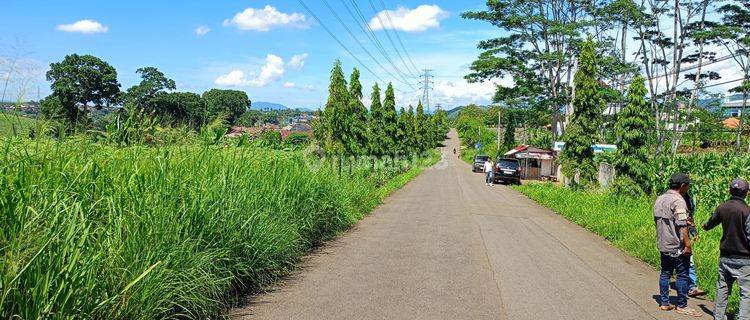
(739,186)
(679,179)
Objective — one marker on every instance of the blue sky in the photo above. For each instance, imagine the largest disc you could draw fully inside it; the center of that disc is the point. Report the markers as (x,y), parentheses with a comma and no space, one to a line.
(251,45)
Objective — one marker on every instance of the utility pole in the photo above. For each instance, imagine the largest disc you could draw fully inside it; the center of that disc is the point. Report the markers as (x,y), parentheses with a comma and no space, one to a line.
(427,85)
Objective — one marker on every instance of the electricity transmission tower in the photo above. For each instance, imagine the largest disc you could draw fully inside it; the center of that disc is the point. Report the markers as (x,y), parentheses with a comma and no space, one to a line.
(427,85)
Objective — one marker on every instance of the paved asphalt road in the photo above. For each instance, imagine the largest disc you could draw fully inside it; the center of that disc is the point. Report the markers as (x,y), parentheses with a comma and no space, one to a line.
(448,247)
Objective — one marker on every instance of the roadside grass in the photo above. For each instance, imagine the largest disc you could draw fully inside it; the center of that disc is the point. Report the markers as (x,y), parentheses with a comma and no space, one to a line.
(628,224)
(96,232)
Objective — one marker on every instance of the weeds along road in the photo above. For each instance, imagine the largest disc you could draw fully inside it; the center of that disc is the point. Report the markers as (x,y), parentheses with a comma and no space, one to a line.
(448,247)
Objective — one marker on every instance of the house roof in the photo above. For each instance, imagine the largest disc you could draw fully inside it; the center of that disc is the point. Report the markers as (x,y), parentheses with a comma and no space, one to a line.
(731,123)
(531,152)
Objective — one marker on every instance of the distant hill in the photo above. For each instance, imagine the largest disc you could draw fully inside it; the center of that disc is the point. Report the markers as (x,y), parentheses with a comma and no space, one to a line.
(260,105)
(452,113)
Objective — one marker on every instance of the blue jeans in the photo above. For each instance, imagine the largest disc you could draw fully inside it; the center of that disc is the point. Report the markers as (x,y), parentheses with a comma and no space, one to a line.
(693,283)
(679,266)
(489,177)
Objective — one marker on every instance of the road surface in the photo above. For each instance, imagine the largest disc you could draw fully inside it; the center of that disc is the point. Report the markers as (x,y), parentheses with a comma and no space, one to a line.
(448,247)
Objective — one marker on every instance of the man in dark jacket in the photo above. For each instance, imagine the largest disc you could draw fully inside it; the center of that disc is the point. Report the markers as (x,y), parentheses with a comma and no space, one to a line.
(734,257)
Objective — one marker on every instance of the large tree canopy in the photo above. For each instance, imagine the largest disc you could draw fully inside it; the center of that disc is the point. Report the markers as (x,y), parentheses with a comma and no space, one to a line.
(152,83)
(231,103)
(80,82)
(182,107)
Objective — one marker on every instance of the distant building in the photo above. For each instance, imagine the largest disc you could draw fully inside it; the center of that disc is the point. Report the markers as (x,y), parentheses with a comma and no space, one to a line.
(298,128)
(254,132)
(732,106)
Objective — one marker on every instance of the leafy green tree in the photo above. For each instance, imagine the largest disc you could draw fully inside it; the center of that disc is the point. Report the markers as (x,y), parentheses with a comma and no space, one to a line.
(229,103)
(441,120)
(51,108)
(376,125)
(80,82)
(357,116)
(153,82)
(588,104)
(390,121)
(633,130)
(181,107)
(537,49)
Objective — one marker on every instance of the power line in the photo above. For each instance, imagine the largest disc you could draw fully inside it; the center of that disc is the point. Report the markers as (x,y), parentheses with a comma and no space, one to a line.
(388,15)
(301,2)
(365,27)
(341,21)
(390,39)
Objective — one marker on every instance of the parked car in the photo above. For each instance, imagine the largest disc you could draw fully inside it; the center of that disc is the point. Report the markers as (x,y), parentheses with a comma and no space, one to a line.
(479,163)
(508,170)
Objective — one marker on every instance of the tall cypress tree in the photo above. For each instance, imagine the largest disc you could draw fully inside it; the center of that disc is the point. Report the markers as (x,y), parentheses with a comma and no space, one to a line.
(402,136)
(588,104)
(420,129)
(410,141)
(357,115)
(376,135)
(632,129)
(335,113)
(390,121)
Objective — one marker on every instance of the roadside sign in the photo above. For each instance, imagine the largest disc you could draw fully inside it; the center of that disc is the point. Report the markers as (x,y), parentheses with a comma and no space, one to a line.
(478,146)
(598,148)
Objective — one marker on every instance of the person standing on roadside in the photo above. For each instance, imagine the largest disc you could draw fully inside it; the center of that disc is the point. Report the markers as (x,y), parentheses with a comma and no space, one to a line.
(734,256)
(673,241)
(694,290)
(488,172)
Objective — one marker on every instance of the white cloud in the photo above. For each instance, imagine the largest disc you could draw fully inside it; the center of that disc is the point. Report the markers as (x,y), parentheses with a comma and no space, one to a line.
(271,71)
(292,85)
(84,26)
(265,19)
(202,30)
(298,61)
(235,78)
(449,92)
(409,20)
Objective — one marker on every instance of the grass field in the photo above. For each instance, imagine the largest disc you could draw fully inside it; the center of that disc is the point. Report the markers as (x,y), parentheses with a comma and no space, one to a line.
(628,224)
(96,232)
(11,124)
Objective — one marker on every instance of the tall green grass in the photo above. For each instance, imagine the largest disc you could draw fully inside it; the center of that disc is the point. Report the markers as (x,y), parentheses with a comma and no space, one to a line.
(96,232)
(15,125)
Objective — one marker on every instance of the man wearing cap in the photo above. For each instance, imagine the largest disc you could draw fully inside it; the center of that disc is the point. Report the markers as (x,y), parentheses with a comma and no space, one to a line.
(734,256)
(673,241)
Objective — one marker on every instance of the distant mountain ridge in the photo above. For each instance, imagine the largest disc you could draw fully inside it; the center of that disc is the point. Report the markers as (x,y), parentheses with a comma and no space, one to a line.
(261,105)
